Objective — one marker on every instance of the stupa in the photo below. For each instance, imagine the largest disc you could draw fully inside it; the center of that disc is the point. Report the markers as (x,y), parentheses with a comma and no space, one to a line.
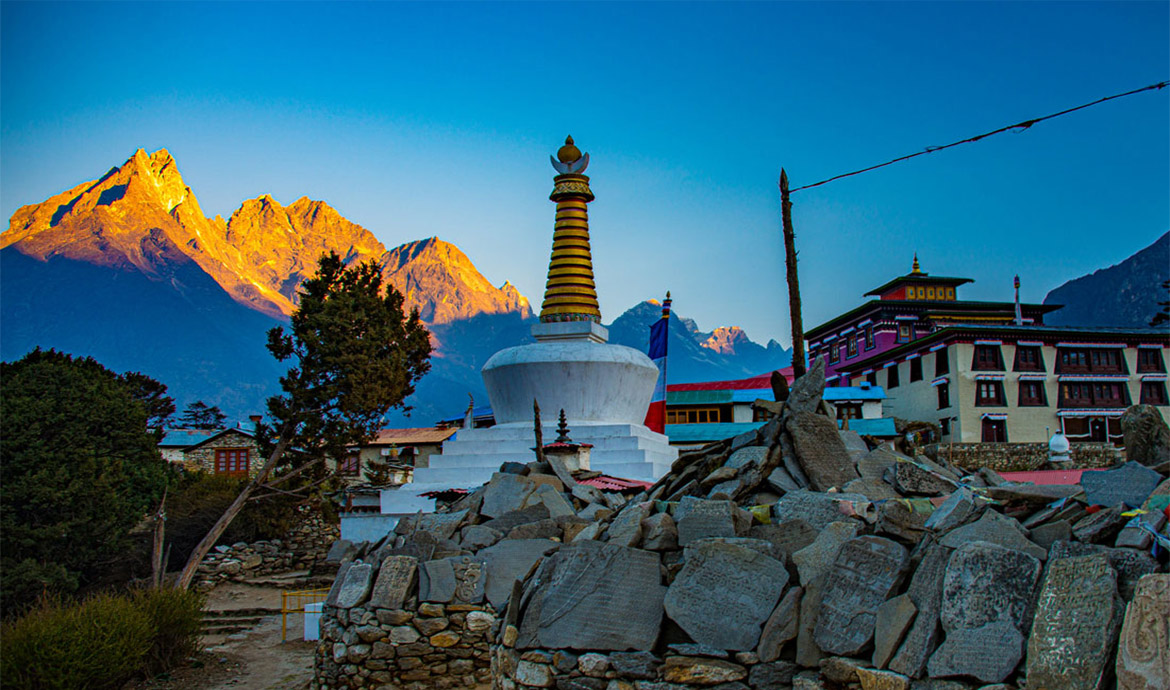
(604,389)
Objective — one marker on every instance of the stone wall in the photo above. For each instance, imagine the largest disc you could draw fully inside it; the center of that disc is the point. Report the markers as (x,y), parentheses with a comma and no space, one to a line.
(203,457)
(419,648)
(1022,457)
(303,547)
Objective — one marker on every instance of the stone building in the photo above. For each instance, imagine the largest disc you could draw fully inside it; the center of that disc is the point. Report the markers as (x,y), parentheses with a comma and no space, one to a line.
(231,451)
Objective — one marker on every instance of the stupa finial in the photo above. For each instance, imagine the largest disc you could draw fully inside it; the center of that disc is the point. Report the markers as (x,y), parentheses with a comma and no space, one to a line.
(914,268)
(570,294)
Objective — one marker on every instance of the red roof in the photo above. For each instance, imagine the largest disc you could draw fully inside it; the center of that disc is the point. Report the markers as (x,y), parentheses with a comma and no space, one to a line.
(761,381)
(1049,477)
(608,483)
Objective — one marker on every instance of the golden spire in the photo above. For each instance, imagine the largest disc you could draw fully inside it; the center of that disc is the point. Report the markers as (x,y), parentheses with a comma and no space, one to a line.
(914,269)
(570,294)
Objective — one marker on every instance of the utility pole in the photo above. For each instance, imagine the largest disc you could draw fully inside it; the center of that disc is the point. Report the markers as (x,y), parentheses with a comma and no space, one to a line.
(798,367)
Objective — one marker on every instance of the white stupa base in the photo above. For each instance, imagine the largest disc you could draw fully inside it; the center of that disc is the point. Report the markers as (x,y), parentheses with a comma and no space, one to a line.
(471,456)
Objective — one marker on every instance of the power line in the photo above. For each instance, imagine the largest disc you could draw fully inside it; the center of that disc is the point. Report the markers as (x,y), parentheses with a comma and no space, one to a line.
(1021,126)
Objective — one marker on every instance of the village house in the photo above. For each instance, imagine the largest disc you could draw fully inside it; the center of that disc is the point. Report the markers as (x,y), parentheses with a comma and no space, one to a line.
(991,372)
(232,451)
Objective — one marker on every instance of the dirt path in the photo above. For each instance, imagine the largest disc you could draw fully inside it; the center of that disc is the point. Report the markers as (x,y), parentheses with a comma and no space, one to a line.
(251,659)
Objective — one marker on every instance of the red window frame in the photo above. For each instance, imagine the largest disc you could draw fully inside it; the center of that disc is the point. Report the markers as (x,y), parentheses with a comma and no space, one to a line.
(233,462)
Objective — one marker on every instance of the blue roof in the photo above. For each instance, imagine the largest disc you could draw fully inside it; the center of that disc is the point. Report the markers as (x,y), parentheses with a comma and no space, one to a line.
(700,433)
(840,393)
(476,413)
(883,426)
(181,438)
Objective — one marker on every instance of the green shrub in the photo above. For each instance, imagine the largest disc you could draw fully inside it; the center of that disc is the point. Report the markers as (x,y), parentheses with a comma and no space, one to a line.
(98,643)
(176,616)
(101,642)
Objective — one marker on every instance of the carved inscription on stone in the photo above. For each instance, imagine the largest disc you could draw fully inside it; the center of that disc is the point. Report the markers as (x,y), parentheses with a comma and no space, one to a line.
(865,573)
(469,580)
(698,518)
(592,595)
(989,653)
(1075,625)
(724,593)
(1143,654)
(395,583)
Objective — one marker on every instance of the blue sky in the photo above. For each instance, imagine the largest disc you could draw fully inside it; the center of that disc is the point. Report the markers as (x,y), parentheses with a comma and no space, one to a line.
(428,119)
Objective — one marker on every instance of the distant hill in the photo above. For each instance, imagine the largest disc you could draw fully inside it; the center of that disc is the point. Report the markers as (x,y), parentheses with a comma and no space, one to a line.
(127,269)
(1125,295)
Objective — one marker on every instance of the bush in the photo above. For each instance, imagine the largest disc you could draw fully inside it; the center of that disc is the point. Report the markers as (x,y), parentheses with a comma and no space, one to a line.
(176,616)
(101,642)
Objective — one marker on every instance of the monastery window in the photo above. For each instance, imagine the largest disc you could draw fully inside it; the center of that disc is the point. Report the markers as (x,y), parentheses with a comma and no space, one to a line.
(1028,358)
(1091,360)
(892,377)
(849,411)
(916,369)
(1149,360)
(987,358)
(232,461)
(929,293)
(950,293)
(944,424)
(1153,393)
(694,415)
(851,346)
(942,365)
(834,351)
(1104,394)
(1032,394)
(905,332)
(989,394)
(944,396)
(871,377)
(869,338)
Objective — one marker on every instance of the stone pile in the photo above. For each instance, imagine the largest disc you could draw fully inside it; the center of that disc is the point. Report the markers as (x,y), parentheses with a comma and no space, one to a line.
(304,547)
(795,556)
(800,557)
(417,609)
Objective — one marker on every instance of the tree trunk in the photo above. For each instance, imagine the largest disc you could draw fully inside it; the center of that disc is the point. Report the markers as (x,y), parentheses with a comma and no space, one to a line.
(537,431)
(798,367)
(156,552)
(237,505)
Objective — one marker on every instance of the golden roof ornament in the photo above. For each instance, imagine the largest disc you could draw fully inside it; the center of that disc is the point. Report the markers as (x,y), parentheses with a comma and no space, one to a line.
(569,158)
(570,294)
(914,269)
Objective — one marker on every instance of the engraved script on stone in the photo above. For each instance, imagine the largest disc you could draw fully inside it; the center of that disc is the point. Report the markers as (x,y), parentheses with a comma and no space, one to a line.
(395,582)
(1075,625)
(864,575)
(697,518)
(1143,654)
(724,593)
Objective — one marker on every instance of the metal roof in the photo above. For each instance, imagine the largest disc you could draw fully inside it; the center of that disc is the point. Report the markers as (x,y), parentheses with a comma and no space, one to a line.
(181,438)
(481,412)
(836,394)
(1047,477)
(699,397)
(881,427)
(607,483)
(695,433)
(412,437)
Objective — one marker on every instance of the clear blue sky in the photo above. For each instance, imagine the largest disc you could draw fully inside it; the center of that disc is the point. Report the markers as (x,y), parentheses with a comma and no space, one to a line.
(428,119)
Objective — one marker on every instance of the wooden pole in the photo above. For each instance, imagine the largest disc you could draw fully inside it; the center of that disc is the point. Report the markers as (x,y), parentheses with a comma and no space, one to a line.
(537,431)
(157,567)
(798,366)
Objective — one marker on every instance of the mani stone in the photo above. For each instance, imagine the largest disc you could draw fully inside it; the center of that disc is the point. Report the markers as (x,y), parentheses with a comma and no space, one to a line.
(990,653)
(1143,653)
(747,456)
(505,493)
(819,450)
(985,583)
(550,497)
(341,550)
(1140,533)
(697,519)
(865,573)
(926,592)
(724,593)
(338,580)
(781,626)
(789,536)
(901,520)
(440,525)
(815,559)
(1130,565)
(815,508)
(1147,438)
(356,586)
(457,580)
(508,561)
(1101,526)
(659,533)
(996,529)
(395,583)
(1074,630)
(890,627)
(956,510)
(477,537)
(806,392)
(1130,484)
(626,528)
(597,596)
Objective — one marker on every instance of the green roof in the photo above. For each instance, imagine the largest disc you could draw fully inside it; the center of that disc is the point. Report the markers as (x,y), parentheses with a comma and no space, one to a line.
(701,433)
(699,397)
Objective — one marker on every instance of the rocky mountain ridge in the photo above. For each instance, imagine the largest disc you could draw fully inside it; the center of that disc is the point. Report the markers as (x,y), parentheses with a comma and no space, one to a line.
(1124,295)
(128,268)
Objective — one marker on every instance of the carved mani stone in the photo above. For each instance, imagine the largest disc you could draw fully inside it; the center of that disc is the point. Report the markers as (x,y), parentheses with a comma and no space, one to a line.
(865,573)
(1143,654)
